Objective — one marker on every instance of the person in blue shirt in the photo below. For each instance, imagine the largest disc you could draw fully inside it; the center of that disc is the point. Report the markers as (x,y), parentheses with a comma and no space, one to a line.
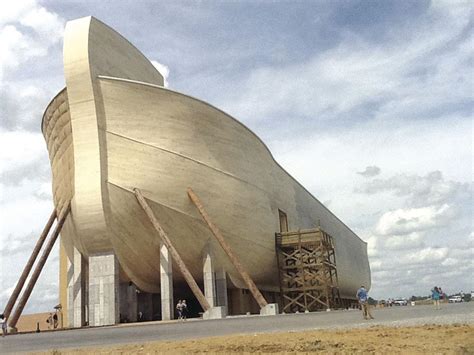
(436,295)
(363,298)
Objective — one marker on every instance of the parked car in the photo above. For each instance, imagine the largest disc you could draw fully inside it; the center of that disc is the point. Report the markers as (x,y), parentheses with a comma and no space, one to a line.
(455,299)
(400,302)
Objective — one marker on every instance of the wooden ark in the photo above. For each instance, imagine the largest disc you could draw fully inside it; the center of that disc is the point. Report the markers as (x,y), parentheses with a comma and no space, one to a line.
(114,127)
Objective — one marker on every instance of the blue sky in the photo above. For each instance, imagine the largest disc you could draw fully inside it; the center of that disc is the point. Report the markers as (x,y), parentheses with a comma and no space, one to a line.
(367,103)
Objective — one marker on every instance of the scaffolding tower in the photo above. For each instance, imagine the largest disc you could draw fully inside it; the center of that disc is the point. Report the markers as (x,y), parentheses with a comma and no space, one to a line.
(307,270)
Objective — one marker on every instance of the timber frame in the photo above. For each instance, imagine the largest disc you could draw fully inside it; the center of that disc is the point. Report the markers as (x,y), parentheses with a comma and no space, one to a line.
(307,270)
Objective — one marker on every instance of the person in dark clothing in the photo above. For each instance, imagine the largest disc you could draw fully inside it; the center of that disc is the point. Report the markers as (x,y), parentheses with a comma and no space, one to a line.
(185,309)
(179,309)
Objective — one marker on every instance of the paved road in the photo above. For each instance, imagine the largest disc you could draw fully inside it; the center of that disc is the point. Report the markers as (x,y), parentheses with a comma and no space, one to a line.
(154,331)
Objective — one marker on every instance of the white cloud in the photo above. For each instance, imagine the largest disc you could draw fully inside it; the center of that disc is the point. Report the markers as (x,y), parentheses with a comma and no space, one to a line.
(404,242)
(27,30)
(29,33)
(429,189)
(164,71)
(12,10)
(450,262)
(406,221)
(427,256)
(20,148)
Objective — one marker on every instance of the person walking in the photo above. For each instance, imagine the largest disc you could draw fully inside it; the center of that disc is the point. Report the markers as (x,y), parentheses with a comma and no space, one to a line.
(185,309)
(3,324)
(435,296)
(179,308)
(363,298)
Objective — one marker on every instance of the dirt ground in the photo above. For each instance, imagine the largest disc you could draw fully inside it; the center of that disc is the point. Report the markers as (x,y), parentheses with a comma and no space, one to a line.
(427,339)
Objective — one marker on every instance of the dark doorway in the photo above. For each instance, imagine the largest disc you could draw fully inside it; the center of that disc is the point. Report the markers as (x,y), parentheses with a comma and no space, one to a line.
(283,221)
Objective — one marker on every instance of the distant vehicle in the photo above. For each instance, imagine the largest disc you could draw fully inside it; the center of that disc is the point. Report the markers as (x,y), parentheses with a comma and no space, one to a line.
(455,299)
(400,302)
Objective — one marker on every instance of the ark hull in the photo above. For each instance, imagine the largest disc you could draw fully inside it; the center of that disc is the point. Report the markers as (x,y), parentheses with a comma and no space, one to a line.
(115,128)
(189,143)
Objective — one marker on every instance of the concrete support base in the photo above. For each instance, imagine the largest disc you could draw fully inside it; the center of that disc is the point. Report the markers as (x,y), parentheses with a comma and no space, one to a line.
(76,290)
(103,289)
(12,330)
(270,309)
(215,313)
(166,283)
(210,286)
(208,275)
(221,290)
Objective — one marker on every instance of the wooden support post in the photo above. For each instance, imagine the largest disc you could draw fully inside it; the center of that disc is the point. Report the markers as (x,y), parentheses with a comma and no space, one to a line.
(174,253)
(233,258)
(28,266)
(39,267)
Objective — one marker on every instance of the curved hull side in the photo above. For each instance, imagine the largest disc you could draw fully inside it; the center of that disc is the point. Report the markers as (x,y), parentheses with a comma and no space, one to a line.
(162,142)
(163,178)
(92,48)
(57,133)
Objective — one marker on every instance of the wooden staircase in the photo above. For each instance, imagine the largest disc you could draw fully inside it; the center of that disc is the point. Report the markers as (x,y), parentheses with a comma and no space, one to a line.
(307,270)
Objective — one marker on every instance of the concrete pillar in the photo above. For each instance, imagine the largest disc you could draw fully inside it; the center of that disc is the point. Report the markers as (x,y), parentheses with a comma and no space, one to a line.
(221,290)
(70,293)
(166,283)
(103,289)
(76,271)
(132,302)
(209,276)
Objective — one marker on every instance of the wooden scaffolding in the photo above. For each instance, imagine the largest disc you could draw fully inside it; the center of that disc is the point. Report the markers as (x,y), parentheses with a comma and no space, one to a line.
(307,268)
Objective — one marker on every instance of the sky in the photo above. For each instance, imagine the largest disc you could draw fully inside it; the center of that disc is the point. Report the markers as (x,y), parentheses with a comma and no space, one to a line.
(367,103)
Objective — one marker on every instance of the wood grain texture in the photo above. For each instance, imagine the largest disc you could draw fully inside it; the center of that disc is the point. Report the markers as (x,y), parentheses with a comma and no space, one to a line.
(127,132)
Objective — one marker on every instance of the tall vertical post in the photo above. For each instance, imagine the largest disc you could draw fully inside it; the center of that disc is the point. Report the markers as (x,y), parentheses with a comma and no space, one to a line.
(78,290)
(104,306)
(166,283)
(28,266)
(221,289)
(70,292)
(39,267)
(208,275)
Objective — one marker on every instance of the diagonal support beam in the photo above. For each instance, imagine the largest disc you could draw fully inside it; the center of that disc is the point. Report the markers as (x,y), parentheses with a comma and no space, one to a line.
(174,253)
(39,267)
(233,258)
(28,266)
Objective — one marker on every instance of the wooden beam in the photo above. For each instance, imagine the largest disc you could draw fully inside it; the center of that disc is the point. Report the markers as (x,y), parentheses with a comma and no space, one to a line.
(28,266)
(39,267)
(233,258)
(174,253)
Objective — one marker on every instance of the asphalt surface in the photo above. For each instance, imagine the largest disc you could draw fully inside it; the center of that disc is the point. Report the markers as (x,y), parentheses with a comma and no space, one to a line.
(191,329)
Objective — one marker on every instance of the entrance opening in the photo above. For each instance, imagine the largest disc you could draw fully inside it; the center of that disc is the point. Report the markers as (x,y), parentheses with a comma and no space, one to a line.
(283,221)
(183,292)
